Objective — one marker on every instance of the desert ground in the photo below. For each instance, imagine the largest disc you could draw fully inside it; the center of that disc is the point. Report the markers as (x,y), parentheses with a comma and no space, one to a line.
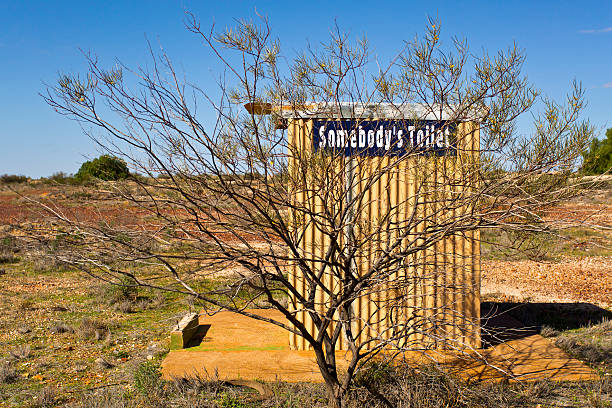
(69,339)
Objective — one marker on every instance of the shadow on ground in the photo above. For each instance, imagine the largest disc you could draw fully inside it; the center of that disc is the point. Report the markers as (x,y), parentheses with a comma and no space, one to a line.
(198,337)
(506,321)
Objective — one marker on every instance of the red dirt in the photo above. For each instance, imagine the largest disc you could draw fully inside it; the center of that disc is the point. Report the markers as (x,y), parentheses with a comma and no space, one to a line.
(587,279)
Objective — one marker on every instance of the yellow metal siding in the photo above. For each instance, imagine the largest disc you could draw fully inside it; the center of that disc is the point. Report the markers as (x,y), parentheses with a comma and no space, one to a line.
(442,283)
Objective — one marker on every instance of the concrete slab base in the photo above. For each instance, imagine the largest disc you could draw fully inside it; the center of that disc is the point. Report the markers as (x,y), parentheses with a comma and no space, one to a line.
(239,348)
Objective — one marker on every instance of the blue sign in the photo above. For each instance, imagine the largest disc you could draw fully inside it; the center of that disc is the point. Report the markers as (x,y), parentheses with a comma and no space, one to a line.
(385,137)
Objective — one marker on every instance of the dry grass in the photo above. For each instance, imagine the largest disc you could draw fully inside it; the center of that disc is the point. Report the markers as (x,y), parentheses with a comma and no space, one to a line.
(591,344)
(62,327)
(426,387)
(125,306)
(21,352)
(548,331)
(91,329)
(8,374)
(8,250)
(45,398)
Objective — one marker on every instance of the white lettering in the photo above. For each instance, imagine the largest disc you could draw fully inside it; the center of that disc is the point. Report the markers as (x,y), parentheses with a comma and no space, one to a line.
(380,137)
(322,139)
(362,137)
(389,135)
(340,138)
(439,138)
(387,139)
(419,138)
(370,138)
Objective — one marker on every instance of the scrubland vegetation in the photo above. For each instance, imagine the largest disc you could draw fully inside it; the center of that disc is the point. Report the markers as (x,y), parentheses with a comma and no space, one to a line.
(72,340)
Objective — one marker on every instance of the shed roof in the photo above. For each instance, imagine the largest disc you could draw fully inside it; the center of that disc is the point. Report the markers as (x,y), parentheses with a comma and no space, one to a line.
(352,110)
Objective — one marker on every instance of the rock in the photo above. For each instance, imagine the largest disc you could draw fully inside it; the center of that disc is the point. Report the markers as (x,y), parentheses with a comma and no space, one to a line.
(102,363)
(79,368)
(149,357)
(24,330)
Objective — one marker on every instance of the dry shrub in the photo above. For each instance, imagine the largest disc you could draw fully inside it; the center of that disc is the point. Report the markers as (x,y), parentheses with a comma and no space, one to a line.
(26,304)
(548,331)
(198,391)
(298,395)
(125,290)
(62,327)
(591,344)
(196,385)
(144,304)
(121,296)
(140,303)
(42,263)
(8,250)
(21,352)
(158,301)
(588,351)
(45,397)
(92,329)
(127,297)
(381,385)
(7,373)
(104,398)
(125,306)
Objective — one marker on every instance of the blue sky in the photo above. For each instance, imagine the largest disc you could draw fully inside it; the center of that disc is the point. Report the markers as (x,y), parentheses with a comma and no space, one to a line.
(39,39)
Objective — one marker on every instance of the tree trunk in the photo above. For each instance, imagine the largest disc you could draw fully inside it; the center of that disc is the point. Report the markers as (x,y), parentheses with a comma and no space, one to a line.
(336,396)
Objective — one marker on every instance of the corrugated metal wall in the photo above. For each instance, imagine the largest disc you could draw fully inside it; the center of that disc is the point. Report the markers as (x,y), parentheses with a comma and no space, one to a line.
(433,301)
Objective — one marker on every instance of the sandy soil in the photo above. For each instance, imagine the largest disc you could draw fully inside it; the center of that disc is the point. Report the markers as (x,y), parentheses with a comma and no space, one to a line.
(587,279)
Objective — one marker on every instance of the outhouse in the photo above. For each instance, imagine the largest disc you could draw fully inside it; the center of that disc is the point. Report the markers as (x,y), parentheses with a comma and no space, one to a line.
(401,182)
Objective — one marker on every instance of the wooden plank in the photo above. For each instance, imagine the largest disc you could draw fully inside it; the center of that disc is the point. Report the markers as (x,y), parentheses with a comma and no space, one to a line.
(184,331)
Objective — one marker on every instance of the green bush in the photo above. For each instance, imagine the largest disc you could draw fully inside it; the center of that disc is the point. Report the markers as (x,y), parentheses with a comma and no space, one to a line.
(374,373)
(105,167)
(598,160)
(63,178)
(60,178)
(231,401)
(12,179)
(8,250)
(147,378)
(125,290)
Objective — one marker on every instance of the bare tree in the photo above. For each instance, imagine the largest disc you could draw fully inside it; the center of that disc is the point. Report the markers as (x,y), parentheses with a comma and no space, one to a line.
(217,199)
